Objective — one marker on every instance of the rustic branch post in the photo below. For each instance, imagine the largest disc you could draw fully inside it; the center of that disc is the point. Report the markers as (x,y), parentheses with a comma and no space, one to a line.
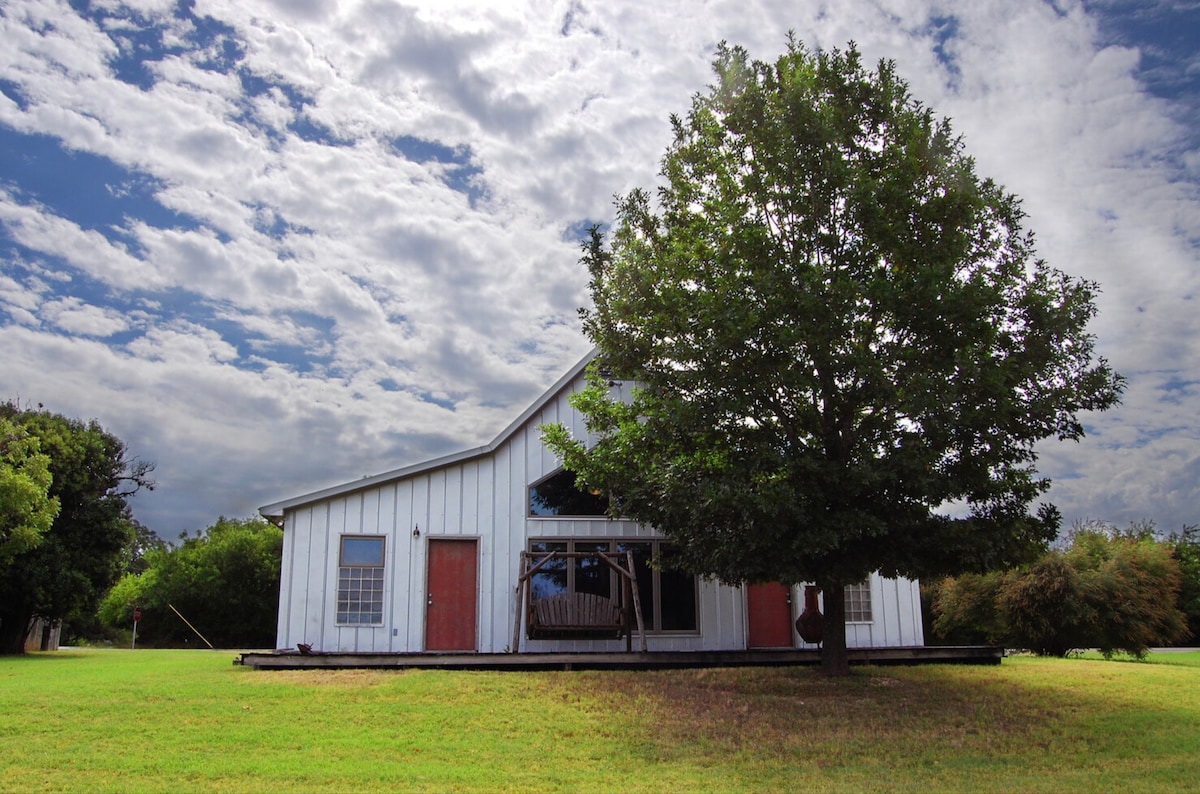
(637,601)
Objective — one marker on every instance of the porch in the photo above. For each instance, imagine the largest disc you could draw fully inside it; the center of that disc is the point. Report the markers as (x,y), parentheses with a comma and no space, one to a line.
(654,660)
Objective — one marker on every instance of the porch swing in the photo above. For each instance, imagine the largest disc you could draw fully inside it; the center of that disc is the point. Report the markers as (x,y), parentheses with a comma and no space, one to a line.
(576,615)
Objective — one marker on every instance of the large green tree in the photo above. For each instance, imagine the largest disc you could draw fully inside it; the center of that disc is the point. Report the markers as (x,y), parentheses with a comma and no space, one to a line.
(844,347)
(79,557)
(224,580)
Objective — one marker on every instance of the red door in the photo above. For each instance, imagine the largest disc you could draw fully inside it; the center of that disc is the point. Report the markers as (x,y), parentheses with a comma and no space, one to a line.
(451,596)
(769,608)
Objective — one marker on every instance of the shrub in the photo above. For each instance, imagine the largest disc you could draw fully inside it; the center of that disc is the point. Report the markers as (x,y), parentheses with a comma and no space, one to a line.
(1115,591)
(1045,608)
(965,610)
(1133,586)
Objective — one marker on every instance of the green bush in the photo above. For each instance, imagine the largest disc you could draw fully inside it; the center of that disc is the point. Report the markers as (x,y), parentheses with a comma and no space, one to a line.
(1111,590)
(965,610)
(1045,608)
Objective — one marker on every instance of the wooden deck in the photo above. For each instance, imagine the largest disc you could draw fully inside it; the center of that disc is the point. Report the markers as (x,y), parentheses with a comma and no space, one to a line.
(662,660)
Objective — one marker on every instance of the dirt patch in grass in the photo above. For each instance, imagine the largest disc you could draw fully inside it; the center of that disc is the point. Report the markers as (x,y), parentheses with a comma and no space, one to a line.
(349,679)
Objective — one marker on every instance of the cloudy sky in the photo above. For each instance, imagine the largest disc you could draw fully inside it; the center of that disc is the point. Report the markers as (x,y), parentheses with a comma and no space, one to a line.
(276,246)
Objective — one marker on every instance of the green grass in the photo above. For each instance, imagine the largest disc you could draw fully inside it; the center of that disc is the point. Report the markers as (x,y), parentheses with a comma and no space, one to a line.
(191,721)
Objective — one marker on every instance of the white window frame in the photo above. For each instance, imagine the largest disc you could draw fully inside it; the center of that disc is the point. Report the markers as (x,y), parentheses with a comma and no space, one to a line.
(858,602)
(360,585)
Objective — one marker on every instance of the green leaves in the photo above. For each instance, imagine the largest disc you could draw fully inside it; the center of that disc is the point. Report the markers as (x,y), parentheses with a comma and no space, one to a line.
(26,508)
(78,556)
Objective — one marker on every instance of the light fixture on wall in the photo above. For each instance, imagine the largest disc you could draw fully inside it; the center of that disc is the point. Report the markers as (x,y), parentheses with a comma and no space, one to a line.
(417,531)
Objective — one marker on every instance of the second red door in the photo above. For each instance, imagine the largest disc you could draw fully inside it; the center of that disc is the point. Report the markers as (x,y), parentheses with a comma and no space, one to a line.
(769,611)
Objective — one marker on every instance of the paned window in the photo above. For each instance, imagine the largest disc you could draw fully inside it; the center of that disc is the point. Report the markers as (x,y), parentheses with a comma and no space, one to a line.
(667,596)
(360,580)
(858,602)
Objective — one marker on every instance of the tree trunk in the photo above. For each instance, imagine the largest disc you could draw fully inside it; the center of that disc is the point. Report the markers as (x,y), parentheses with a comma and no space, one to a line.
(14,629)
(835,661)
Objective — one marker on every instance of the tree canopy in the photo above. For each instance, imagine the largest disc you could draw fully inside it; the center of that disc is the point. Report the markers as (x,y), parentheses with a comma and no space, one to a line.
(841,347)
(79,556)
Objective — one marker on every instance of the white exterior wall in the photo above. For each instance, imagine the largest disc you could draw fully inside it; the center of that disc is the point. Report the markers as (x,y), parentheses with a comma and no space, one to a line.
(485,497)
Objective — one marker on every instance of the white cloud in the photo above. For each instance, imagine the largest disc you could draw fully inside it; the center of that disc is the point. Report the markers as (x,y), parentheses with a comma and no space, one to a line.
(313,263)
(86,250)
(75,317)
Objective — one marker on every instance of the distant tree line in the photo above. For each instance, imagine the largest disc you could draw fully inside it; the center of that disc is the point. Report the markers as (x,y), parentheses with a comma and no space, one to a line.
(1117,590)
(224,581)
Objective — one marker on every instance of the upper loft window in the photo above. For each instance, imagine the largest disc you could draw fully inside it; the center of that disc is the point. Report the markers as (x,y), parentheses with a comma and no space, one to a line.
(558,495)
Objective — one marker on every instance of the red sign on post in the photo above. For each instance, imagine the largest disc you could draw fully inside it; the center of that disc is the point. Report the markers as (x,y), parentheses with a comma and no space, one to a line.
(137,614)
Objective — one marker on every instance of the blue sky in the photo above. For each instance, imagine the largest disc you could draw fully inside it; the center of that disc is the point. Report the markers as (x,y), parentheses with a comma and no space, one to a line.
(276,246)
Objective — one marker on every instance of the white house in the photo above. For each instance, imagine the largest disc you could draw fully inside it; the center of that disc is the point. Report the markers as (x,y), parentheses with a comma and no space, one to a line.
(428,558)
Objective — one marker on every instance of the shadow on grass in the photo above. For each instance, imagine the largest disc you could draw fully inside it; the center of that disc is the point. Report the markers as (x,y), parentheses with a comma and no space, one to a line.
(1027,723)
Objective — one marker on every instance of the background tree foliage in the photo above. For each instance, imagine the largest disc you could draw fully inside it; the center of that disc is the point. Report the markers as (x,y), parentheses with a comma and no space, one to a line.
(1105,588)
(1185,548)
(837,330)
(79,556)
(225,581)
(88,629)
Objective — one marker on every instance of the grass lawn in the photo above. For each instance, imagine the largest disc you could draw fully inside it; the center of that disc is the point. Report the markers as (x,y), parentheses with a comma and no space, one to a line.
(116,720)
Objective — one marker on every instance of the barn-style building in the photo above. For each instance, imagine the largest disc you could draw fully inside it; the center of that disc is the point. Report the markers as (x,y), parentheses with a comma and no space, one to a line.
(465,553)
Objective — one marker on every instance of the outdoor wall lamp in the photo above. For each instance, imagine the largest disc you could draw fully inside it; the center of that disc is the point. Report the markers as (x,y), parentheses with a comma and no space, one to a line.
(417,531)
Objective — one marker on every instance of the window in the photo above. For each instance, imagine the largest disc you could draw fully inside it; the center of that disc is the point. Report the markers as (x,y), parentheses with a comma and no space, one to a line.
(667,596)
(360,580)
(559,495)
(858,602)
(552,578)
(592,574)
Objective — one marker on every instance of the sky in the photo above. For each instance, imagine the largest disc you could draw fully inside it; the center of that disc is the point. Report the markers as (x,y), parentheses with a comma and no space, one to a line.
(278,246)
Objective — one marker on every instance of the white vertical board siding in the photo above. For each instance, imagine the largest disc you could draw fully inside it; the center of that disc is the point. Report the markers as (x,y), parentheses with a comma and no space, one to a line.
(907,603)
(397,550)
(895,616)
(286,589)
(294,587)
(307,529)
(485,497)
(408,613)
